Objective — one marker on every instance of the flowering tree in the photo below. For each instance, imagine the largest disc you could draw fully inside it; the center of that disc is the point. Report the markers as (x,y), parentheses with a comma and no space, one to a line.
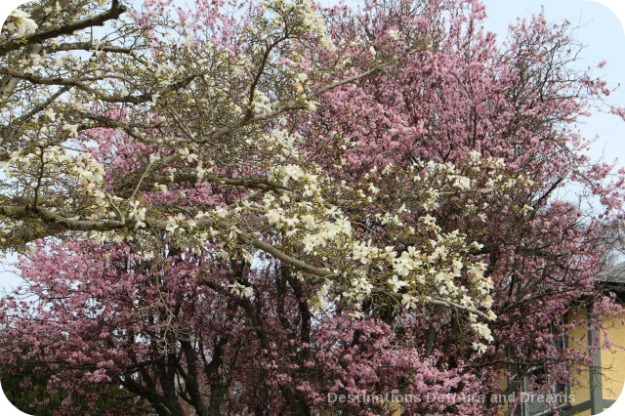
(240,208)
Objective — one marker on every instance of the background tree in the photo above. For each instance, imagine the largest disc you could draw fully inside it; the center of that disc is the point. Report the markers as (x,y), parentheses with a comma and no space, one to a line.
(241,208)
(519,102)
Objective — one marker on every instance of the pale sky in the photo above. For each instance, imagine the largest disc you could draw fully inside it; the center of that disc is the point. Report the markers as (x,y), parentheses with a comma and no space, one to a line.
(600,30)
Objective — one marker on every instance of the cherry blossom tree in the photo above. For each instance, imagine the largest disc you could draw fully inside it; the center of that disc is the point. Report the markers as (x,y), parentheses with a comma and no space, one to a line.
(258,208)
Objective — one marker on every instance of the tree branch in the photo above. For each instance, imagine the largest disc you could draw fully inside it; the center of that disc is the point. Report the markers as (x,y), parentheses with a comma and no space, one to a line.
(113,13)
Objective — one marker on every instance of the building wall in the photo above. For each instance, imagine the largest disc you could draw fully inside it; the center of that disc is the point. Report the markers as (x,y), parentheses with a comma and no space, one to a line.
(612,361)
(578,340)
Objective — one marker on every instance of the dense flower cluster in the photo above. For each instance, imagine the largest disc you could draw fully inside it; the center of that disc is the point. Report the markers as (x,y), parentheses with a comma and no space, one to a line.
(20,23)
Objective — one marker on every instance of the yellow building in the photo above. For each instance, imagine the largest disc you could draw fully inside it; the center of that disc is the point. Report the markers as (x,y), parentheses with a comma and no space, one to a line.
(592,390)
(595,389)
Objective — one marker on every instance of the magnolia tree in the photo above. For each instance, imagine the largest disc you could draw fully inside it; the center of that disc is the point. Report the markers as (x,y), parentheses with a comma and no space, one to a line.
(291,208)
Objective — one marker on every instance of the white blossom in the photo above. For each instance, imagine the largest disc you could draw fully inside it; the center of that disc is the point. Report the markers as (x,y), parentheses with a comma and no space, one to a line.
(479,347)
(463,183)
(409,302)
(396,283)
(483,331)
(20,23)
(241,290)
(393,34)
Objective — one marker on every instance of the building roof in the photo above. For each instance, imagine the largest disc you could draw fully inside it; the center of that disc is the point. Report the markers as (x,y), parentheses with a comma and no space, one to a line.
(614,275)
